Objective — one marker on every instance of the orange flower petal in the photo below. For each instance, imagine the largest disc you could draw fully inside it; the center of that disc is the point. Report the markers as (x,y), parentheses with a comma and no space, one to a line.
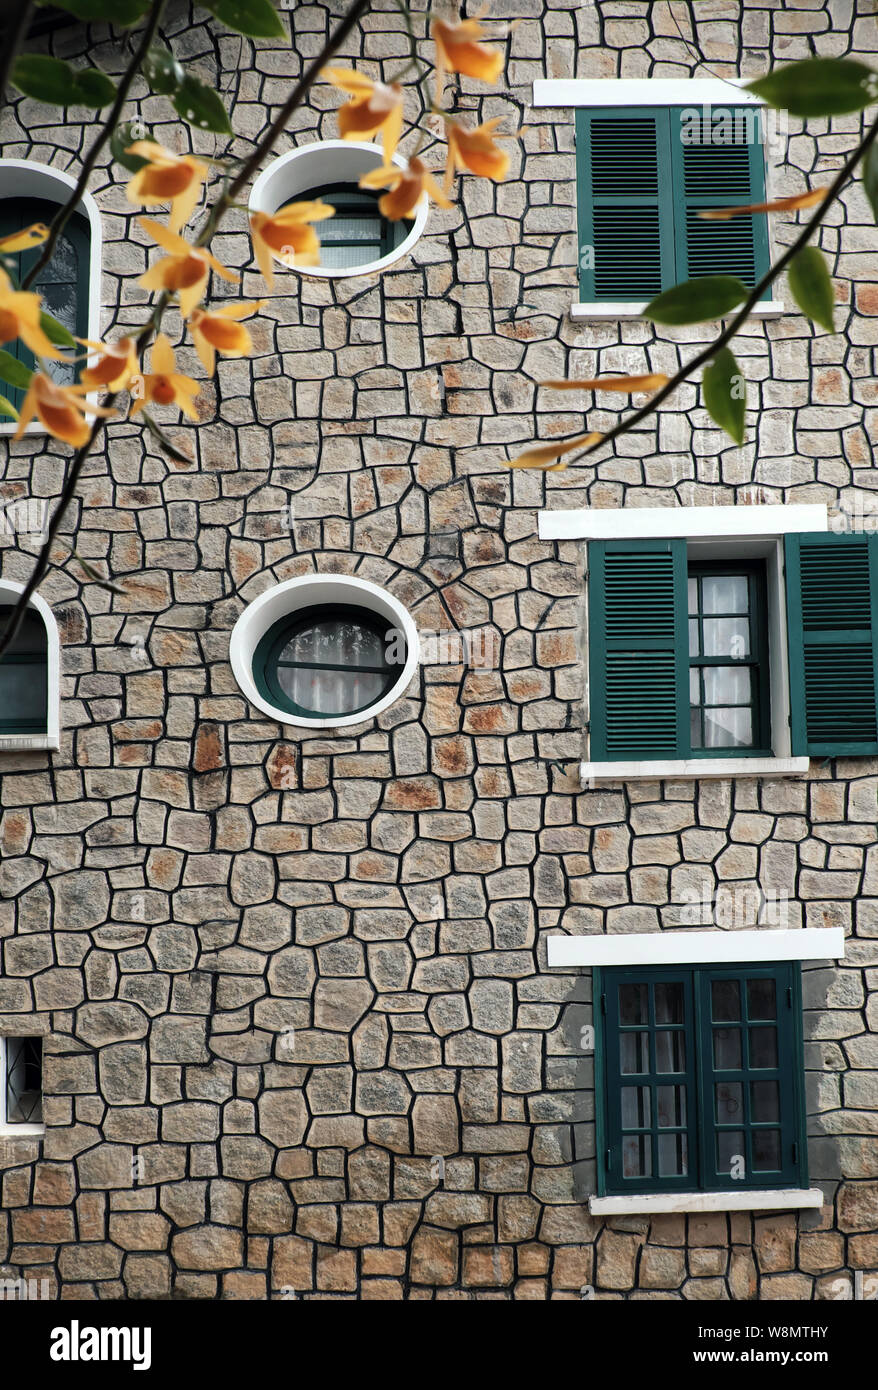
(542,455)
(795,200)
(651,382)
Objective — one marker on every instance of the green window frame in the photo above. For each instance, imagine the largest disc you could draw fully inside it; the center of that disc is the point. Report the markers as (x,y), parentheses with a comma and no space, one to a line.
(268,658)
(643,175)
(357,226)
(64,283)
(24,677)
(700,1071)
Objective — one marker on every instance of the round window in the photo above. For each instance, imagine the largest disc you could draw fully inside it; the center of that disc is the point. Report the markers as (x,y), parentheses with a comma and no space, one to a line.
(326,661)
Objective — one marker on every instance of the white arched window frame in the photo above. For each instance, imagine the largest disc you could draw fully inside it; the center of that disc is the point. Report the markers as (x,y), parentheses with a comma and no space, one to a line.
(51,738)
(22,178)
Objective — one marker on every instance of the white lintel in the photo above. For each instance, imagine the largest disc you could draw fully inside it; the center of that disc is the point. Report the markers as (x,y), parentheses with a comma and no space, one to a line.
(699,769)
(642,91)
(642,523)
(690,947)
(597,310)
(766,1199)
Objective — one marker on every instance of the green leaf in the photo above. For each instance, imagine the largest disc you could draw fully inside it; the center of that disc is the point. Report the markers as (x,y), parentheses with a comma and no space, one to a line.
(258,19)
(870,177)
(697,301)
(7,408)
(725,393)
(162,71)
(13,372)
(818,87)
(56,332)
(199,105)
(121,13)
(124,135)
(58,84)
(811,286)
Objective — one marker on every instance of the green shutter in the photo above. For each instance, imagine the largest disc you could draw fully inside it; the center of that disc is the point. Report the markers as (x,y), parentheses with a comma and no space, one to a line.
(638,650)
(626,247)
(718,161)
(832,622)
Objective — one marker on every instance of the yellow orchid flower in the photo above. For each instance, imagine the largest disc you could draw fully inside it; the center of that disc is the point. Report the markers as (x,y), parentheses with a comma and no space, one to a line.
(166,178)
(116,365)
(407,187)
(373,107)
(184,270)
(216,330)
(459,49)
(25,240)
(287,236)
(59,409)
(474,150)
(20,318)
(164,385)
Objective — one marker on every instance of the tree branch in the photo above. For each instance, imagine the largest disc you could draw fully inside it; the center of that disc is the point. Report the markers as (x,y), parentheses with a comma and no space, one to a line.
(12,38)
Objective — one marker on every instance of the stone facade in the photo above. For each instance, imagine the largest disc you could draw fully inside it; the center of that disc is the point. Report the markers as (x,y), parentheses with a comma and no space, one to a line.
(301,1040)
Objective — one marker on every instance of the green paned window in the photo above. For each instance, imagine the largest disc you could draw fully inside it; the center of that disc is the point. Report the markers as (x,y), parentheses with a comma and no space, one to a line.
(728,660)
(22,1101)
(702,1078)
(63,283)
(357,234)
(643,176)
(24,681)
(328,660)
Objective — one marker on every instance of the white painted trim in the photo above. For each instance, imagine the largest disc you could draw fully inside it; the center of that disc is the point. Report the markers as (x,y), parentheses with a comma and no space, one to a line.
(652,1203)
(654,523)
(51,740)
(307,591)
(330,161)
(25,178)
(702,769)
(687,946)
(631,309)
(642,91)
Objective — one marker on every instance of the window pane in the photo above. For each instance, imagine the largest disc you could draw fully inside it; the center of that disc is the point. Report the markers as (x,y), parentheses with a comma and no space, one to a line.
(725,1001)
(634,1053)
(728,728)
(694,686)
(694,644)
(671,1104)
(673,1155)
(693,595)
(670,1051)
(668,1002)
(634,1003)
(726,685)
(24,1084)
(763,1047)
(729,1102)
(764,1102)
(761,999)
(330,692)
(727,1049)
(766,1150)
(722,593)
(635,1107)
(731,1155)
(637,1156)
(695,728)
(729,637)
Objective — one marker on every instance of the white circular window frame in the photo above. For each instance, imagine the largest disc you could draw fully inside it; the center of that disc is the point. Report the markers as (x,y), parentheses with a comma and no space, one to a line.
(295,175)
(309,591)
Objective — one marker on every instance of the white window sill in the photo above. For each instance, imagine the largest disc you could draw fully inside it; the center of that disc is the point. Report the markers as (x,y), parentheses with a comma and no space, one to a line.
(701,768)
(22,1131)
(628,309)
(647,1204)
(29,743)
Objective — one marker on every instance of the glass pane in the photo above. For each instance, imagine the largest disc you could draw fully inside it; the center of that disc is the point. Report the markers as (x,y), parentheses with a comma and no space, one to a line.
(694,686)
(670,1051)
(23,696)
(731,1155)
(24,1081)
(729,1102)
(726,685)
(727,1049)
(336,642)
(728,728)
(633,1004)
(673,1155)
(634,1053)
(764,1102)
(694,648)
(693,595)
(723,593)
(695,728)
(635,1107)
(331,692)
(761,999)
(763,1047)
(729,637)
(637,1156)
(766,1150)
(671,1104)
(725,998)
(669,1002)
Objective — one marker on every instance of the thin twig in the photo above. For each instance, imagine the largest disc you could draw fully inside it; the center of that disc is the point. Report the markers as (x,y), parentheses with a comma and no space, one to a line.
(750,302)
(11,42)
(66,212)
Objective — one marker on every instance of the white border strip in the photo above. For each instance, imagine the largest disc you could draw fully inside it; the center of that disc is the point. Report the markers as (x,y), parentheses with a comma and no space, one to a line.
(594,311)
(642,91)
(779,1199)
(655,523)
(702,947)
(700,769)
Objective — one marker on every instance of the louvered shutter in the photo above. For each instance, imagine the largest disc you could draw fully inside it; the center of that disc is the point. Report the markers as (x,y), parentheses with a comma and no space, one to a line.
(718,161)
(832,620)
(638,650)
(626,234)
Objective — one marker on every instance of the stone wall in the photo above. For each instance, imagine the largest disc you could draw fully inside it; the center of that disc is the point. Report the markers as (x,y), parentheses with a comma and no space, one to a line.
(301,1039)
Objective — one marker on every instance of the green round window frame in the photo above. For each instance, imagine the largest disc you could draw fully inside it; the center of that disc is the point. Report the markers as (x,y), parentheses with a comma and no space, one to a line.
(272,643)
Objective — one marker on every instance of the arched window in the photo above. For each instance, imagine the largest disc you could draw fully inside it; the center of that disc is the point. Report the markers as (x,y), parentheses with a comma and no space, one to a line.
(29,676)
(70,283)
